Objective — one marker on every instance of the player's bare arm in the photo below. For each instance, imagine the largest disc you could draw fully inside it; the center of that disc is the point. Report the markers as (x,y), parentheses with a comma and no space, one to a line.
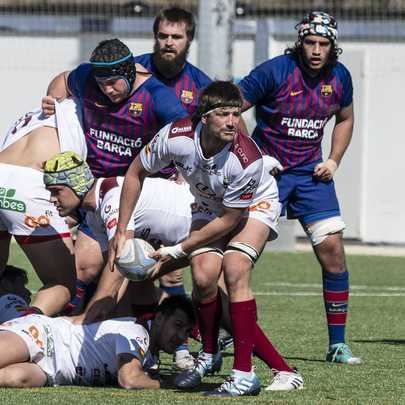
(341,137)
(130,193)
(105,298)
(131,374)
(57,89)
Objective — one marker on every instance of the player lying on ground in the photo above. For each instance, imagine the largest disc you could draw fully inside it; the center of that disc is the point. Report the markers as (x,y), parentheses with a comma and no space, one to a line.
(25,209)
(38,350)
(235,212)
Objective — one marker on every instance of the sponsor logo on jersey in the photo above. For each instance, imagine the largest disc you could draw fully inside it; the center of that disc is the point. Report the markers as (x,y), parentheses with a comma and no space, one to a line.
(181,130)
(241,153)
(187,96)
(113,222)
(326,90)
(8,203)
(246,196)
(34,222)
(260,206)
(295,93)
(135,109)
(303,127)
(110,142)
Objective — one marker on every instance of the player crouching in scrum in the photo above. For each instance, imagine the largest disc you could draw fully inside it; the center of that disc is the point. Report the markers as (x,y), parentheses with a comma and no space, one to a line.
(162,216)
(235,212)
(53,351)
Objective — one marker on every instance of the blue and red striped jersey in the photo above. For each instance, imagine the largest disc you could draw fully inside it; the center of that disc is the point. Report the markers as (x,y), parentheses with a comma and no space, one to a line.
(187,84)
(115,133)
(292,109)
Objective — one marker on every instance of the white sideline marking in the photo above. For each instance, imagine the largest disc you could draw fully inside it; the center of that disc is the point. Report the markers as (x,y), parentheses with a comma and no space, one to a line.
(352,287)
(318,294)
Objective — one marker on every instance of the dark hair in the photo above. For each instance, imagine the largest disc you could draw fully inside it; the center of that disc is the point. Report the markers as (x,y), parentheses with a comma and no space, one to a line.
(218,94)
(296,52)
(170,304)
(112,57)
(109,51)
(176,15)
(11,273)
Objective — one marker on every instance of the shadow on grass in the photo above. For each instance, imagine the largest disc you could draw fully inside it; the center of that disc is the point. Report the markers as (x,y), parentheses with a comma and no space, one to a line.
(381,340)
(204,387)
(305,359)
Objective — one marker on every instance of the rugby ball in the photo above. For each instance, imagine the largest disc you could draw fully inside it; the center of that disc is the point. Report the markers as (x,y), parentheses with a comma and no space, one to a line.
(134,262)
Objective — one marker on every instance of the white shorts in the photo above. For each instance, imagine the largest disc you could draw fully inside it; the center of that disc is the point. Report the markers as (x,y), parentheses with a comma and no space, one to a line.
(25,209)
(266,210)
(37,334)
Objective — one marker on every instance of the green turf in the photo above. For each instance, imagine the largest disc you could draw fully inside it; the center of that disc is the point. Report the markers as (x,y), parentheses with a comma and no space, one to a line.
(376,332)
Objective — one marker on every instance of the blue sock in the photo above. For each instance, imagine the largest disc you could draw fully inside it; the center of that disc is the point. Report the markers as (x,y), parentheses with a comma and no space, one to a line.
(336,297)
(175,290)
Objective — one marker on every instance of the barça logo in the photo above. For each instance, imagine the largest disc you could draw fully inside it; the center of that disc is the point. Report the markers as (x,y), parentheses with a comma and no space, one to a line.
(135,109)
(186,96)
(326,90)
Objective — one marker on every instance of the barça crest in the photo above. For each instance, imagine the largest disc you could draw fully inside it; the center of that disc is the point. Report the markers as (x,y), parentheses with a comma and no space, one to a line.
(326,90)
(186,96)
(135,109)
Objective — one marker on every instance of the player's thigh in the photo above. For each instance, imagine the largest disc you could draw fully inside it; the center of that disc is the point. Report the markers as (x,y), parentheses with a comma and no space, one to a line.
(13,349)
(23,375)
(53,261)
(89,257)
(243,250)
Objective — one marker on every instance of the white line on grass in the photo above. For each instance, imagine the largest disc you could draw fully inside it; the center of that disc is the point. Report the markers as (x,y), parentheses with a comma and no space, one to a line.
(352,287)
(318,294)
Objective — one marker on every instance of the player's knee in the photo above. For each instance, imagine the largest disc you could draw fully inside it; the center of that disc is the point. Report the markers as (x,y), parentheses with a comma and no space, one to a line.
(319,231)
(205,272)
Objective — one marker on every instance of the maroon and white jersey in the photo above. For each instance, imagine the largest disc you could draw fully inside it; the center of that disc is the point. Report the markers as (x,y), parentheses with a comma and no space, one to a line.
(230,178)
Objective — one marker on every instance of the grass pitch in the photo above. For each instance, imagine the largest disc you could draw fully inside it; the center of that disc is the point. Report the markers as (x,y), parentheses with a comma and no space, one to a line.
(289,296)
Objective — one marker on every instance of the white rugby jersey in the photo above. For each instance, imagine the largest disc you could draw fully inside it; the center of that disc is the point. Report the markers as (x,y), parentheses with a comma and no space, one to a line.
(82,354)
(230,178)
(66,119)
(162,214)
(11,306)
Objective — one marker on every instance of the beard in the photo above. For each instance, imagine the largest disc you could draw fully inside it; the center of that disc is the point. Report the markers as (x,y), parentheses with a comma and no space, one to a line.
(169,68)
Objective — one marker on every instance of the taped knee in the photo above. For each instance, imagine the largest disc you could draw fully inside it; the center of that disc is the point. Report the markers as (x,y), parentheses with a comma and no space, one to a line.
(206,249)
(247,250)
(319,231)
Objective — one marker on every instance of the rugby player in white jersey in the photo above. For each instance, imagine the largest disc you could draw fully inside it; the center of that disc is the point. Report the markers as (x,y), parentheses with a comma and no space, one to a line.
(235,212)
(161,216)
(25,210)
(54,351)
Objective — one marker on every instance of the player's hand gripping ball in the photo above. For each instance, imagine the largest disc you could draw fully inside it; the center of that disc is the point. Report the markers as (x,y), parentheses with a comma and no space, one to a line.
(134,262)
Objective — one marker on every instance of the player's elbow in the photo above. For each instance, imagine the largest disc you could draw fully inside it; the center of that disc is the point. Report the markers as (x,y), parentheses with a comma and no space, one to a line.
(136,383)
